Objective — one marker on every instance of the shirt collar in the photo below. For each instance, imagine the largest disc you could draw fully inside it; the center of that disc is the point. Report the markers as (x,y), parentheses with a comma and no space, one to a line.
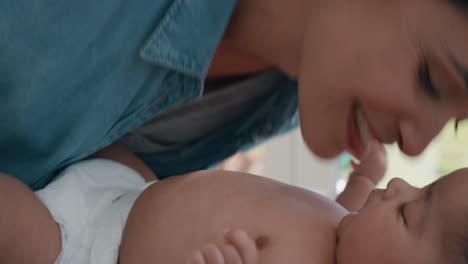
(188,35)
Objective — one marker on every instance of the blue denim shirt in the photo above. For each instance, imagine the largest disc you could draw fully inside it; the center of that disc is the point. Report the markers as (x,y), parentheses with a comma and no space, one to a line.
(76,76)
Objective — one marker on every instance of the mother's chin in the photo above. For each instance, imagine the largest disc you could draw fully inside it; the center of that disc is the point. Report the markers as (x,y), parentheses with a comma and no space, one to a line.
(322,147)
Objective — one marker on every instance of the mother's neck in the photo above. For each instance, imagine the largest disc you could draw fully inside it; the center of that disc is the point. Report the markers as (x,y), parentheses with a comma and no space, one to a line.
(271,30)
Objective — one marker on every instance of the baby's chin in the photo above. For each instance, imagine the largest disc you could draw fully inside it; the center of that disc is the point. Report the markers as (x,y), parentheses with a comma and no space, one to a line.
(344,224)
(343,227)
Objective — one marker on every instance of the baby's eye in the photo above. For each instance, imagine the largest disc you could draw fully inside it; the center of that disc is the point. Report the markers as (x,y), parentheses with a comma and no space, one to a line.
(402,213)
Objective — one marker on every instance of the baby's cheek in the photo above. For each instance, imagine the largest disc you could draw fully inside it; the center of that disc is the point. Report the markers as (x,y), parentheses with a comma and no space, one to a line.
(348,249)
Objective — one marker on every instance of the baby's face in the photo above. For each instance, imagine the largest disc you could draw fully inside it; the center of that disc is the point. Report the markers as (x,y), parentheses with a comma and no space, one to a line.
(404,224)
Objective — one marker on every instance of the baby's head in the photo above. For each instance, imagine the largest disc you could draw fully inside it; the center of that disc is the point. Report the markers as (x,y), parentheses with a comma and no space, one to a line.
(405,224)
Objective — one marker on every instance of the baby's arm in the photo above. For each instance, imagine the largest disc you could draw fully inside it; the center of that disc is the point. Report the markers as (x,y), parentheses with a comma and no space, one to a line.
(28,233)
(364,178)
(119,153)
(237,248)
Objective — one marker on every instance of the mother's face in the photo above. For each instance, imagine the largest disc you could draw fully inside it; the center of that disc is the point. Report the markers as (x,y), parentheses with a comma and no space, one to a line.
(397,66)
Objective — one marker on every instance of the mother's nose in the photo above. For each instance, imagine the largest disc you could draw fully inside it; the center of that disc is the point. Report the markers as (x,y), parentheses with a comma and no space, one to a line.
(415,136)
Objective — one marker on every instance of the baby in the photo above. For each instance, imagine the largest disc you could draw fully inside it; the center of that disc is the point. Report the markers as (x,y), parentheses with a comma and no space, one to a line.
(103,211)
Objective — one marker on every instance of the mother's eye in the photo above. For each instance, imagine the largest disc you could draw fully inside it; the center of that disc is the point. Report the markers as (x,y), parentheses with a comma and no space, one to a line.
(424,78)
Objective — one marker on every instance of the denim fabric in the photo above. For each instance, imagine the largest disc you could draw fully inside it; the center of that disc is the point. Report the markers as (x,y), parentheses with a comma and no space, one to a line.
(76,76)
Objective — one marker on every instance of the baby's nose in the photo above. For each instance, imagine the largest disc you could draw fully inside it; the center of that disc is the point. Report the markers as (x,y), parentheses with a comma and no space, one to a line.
(396,186)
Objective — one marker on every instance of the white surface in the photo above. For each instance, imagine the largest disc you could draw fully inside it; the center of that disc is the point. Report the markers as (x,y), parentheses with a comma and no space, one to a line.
(288,160)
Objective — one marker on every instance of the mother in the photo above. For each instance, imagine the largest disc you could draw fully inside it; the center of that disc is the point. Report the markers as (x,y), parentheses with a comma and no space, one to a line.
(185,83)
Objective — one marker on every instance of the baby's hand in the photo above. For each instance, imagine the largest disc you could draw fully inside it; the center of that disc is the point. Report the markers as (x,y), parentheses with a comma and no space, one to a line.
(237,248)
(364,178)
(373,164)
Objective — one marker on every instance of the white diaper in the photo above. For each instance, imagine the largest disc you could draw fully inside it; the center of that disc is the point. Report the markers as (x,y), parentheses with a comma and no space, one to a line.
(91,201)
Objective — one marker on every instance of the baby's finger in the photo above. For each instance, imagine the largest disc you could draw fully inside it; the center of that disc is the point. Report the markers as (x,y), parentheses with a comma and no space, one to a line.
(375,153)
(373,164)
(244,244)
(213,254)
(196,258)
(231,254)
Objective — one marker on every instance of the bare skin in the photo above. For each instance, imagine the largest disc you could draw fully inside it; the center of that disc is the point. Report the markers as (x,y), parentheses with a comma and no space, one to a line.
(28,224)
(364,178)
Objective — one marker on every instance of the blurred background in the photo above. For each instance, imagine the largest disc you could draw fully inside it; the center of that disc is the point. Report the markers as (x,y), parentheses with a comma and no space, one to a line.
(287,159)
